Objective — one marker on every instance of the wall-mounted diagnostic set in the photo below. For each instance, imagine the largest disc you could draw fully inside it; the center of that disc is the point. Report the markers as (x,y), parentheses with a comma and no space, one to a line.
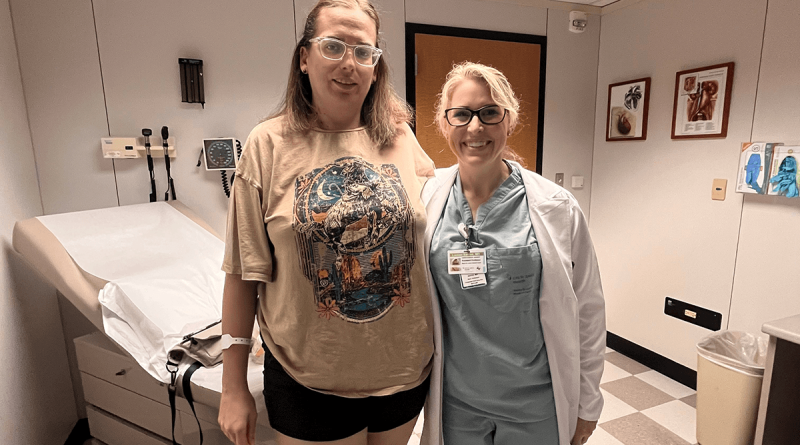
(137,147)
(133,148)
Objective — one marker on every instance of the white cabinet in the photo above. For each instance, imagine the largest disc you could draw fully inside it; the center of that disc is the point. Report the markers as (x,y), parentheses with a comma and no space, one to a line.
(128,406)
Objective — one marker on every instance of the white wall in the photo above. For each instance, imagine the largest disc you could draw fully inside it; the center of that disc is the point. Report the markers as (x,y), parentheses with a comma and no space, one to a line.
(245,47)
(569,102)
(656,230)
(64,95)
(34,370)
(765,286)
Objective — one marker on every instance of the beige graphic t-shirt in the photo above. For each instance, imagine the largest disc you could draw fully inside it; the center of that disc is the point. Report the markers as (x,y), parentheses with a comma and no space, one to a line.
(332,227)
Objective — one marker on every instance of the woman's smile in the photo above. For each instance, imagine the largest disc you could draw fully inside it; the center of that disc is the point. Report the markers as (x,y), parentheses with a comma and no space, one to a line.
(477,145)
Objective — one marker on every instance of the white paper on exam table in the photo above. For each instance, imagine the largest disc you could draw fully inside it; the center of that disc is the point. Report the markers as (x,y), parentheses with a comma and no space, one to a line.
(163,273)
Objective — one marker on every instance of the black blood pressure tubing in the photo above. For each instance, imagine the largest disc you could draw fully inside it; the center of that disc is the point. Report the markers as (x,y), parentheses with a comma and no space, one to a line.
(146,132)
(170,183)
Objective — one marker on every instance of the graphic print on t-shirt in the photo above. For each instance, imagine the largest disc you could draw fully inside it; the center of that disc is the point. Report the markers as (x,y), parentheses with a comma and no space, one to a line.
(354,228)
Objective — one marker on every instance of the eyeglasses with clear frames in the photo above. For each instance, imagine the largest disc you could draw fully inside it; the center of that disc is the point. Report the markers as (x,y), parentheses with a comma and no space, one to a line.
(334,49)
(488,115)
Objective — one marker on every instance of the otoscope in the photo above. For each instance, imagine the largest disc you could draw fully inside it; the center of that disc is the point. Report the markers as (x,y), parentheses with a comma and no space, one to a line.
(146,132)
(165,144)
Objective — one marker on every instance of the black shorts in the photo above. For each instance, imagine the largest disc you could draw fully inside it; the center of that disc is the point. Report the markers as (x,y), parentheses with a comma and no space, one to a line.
(304,414)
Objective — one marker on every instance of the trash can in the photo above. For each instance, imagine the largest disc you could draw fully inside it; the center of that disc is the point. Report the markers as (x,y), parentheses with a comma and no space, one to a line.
(730,367)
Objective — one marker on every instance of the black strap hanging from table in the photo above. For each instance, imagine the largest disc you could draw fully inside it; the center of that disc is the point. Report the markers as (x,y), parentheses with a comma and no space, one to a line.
(186,386)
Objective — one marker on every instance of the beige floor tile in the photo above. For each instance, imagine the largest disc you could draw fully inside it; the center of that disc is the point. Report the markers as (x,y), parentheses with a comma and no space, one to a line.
(417,434)
(626,363)
(613,408)
(613,372)
(638,429)
(602,437)
(609,350)
(665,384)
(637,393)
(677,417)
(690,400)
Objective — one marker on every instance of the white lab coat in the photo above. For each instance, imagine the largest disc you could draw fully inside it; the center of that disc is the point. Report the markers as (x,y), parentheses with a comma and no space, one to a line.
(571,304)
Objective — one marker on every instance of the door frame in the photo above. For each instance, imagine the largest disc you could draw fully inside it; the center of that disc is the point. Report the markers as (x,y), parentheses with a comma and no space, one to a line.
(412,29)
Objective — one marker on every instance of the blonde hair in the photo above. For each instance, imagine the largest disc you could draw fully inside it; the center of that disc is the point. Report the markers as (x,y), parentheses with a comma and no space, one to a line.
(382,110)
(499,88)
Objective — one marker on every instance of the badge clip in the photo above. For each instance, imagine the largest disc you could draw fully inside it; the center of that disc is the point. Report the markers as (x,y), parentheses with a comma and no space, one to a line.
(469,233)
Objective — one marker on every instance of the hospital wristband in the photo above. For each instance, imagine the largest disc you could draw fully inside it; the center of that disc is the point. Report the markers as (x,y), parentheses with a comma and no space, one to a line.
(228,341)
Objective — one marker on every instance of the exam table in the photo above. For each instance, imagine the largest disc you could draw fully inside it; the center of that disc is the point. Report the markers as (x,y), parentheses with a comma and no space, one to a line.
(126,404)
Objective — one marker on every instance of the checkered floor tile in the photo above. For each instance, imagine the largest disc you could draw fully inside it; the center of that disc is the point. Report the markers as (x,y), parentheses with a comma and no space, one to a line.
(642,407)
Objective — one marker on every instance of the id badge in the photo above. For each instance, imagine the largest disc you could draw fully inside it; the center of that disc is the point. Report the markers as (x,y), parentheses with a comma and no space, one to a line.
(462,262)
(471,280)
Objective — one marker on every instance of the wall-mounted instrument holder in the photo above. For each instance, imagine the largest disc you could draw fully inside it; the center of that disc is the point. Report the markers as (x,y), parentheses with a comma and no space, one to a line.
(192,81)
(133,148)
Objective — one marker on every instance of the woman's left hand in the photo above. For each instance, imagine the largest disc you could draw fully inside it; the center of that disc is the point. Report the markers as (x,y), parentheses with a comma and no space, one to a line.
(583,431)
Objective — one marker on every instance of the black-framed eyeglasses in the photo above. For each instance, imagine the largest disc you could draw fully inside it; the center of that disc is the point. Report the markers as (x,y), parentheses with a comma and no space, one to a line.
(488,115)
(334,49)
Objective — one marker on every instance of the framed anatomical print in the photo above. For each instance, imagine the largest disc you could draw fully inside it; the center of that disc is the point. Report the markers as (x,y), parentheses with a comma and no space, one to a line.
(626,116)
(702,102)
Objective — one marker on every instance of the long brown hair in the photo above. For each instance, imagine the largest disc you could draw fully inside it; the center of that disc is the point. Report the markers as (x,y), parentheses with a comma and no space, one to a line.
(382,110)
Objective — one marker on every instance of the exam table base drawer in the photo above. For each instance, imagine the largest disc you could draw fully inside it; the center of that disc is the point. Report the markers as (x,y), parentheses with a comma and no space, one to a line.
(132,407)
(100,357)
(118,387)
(115,431)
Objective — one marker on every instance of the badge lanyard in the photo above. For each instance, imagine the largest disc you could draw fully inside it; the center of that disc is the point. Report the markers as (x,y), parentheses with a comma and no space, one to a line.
(470,263)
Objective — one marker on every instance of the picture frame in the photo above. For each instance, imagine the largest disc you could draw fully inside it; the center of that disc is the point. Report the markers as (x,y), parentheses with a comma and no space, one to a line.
(628,106)
(702,102)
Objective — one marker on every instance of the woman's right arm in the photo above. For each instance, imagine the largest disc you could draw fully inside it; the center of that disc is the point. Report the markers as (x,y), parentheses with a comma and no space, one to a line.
(237,408)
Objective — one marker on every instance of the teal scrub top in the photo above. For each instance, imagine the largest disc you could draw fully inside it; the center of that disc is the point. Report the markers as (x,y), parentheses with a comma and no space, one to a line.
(495,361)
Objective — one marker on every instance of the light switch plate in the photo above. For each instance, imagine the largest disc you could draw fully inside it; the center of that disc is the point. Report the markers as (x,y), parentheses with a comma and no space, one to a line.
(560,179)
(718,187)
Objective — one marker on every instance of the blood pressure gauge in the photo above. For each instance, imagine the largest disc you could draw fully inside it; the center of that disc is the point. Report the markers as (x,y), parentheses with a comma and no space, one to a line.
(220,153)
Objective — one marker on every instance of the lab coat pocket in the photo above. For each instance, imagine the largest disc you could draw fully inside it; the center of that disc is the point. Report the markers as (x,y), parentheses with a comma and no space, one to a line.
(514,276)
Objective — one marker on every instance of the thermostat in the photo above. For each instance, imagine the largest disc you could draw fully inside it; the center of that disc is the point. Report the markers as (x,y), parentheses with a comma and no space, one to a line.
(220,153)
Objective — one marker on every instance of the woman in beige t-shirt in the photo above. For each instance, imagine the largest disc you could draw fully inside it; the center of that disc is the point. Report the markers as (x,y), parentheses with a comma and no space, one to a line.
(324,246)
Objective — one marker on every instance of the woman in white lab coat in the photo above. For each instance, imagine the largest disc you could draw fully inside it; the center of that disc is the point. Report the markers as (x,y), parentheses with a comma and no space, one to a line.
(538,337)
